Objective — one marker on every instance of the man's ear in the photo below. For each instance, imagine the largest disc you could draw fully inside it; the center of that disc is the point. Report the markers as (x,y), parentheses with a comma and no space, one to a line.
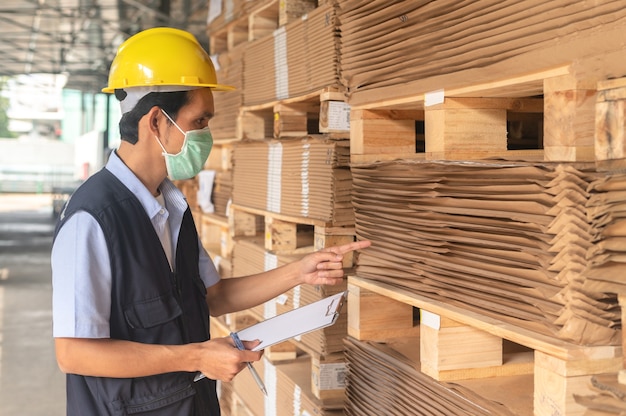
(154,117)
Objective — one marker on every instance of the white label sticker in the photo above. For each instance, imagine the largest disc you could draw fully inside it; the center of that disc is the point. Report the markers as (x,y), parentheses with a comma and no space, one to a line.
(332,376)
(338,115)
(434,98)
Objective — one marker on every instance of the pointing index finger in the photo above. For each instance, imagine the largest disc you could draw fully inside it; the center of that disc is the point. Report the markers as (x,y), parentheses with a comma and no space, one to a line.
(346,248)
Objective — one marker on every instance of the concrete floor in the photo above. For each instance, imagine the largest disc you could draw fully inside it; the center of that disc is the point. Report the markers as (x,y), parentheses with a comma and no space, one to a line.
(30,381)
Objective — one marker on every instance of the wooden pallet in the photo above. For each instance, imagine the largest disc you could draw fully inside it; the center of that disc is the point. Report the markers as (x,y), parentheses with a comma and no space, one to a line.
(556,108)
(456,344)
(285,235)
(610,128)
(289,235)
(322,111)
(263,18)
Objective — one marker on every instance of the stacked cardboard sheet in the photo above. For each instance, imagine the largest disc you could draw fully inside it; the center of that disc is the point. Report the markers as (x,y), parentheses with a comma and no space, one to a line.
(607,255)
(222,192)
(229,69)
(306,178)
(508,240)
(250,173)
(610,399)
(248,391)
(250,257)
(385,381)
(288,387)
(259,72)
(389,43)
(299,58)
(293,392)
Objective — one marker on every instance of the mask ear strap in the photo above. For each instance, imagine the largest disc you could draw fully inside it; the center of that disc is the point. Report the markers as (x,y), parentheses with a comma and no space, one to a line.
(173,122)
(161,144)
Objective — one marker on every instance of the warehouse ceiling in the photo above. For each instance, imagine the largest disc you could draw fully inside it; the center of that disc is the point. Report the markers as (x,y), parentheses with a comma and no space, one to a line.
(79,38)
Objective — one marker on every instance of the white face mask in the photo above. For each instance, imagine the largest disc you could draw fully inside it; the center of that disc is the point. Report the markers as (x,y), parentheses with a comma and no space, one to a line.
(192,156)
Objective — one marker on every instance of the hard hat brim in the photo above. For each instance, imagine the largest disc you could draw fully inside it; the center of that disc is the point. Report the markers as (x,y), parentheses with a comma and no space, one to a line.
(213,87)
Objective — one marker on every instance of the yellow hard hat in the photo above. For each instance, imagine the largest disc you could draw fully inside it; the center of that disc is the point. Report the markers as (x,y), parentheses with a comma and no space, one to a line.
(162,57)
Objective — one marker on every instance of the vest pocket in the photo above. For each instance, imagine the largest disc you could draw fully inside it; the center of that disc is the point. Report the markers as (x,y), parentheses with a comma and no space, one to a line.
(171,401)
(152,312)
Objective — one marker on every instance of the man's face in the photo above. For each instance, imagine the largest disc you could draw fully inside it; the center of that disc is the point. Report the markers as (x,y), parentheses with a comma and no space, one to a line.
(194,115)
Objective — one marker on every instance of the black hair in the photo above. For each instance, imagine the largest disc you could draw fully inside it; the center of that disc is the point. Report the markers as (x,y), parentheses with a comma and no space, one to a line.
(171,102)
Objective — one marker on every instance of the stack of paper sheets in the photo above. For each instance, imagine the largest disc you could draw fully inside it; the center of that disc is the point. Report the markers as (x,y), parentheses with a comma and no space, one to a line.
(384,381)
(299,58)
(306,178)
(312,184)
(508,240)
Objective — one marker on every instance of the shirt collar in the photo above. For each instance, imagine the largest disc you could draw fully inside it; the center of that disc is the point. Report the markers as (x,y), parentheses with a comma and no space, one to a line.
(173,196)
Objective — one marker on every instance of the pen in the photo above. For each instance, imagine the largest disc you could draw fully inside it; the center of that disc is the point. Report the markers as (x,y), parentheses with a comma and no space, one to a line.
(255,375)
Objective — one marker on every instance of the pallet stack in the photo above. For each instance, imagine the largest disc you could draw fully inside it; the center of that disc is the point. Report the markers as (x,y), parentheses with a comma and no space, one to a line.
(492,278)
(486,148)
(286,147)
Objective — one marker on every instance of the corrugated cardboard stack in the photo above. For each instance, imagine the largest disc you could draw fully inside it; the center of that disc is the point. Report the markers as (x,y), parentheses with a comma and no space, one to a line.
(250,257)
(294,392)
(505,240)
(229,68)
(390,384)
(299,58)
(304,178)
(250,173)
(222,192)
(605,272)
(387,44)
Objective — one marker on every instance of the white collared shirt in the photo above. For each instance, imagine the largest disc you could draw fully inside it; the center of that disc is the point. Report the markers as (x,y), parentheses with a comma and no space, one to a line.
(81,274)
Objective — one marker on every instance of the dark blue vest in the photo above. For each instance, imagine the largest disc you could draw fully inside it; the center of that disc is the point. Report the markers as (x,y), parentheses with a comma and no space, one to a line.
(149,304)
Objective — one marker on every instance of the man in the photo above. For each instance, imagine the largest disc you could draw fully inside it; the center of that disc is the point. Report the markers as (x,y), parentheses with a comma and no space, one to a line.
(132,285)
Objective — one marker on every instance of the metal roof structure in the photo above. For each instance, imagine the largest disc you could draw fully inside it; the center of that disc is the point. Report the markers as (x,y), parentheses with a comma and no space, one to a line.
(79,38)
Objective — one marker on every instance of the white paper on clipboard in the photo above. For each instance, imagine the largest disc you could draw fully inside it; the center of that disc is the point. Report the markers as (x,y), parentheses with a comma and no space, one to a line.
(296,322)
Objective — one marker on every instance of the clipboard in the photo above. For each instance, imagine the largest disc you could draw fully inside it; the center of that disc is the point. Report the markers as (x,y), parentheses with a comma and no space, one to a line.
(302,320)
